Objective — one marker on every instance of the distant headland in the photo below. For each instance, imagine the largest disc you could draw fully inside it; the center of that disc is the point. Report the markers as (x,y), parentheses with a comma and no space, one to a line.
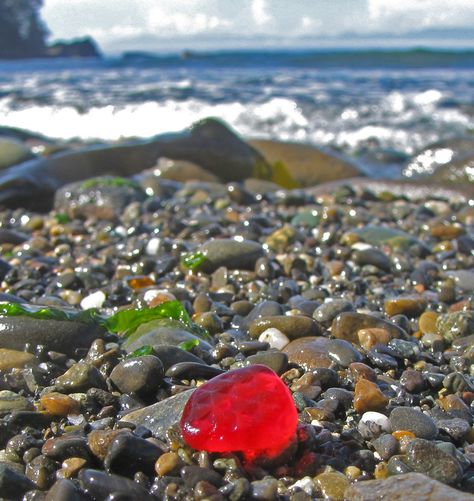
(24,35)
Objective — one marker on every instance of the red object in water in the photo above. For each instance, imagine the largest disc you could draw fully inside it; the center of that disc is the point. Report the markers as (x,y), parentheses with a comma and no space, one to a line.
(248,410)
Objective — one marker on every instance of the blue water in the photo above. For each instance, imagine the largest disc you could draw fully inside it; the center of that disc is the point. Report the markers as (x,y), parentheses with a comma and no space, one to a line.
(377,107)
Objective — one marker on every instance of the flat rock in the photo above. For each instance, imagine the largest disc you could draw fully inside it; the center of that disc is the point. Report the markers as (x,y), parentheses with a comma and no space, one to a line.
(308,165)
(160,416)
(230,253)
(293,326)
(56,335)
(14,359)
(406,487)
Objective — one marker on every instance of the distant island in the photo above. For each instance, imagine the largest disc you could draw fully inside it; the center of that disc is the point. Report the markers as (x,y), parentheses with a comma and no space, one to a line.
(23,35)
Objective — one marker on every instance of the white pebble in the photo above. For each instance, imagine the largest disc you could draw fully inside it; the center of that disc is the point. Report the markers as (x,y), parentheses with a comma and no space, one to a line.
(94,300)
(153,246)
(274,337)
(372,424)
(306,484)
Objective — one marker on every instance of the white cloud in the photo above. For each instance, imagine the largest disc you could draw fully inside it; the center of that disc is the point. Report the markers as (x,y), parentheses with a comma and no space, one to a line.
(260,12)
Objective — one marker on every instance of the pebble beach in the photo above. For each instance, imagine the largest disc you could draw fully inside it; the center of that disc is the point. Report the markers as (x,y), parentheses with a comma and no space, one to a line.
(358,295)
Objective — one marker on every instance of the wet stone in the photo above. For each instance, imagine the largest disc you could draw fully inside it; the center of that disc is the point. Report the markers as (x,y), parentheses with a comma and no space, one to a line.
(427,322)
(142,375)
(332,485)
(372,256)
(59,404)
(368,397)
(42,471)
(329,310)
(80,377)
(193,474)
(275,360)
(424,457)
(265,489)
(293,327)
(455,325)
(100,485)
(342,352)
(99,441)
(411,306)
(191,370)
(407,418)
(128,454)
(66,446)
(171,355)
(408,486)
(386,446)
(230,253)
(55,335)
(412,381)
(64,490)
(372,424)
(309,352)
(456,428)
(160,416)
(11,401)
(13,484)
(13,359)
(347,324)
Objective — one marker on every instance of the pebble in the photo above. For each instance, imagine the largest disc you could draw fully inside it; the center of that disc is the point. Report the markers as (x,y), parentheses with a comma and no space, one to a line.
(411,306)
(99,441)
(410,419)
(265,489)
(141,375)
(372,424)
(424,457)
(386,446)
(80,377)
(274,337)
(66,446)
(294,326)
(55,335)
(167,464)
(192,370)
(160,416)
(342,352)
(275,360)
(413,381)
(11,402)
(368,397)
(368,338)
(128,454)
(346,326)
(455,325)
(372,256)
(14,359)
(101,485)
(408,486)
(332,485)
(309,352)
(330,309)
(456,428)
(427,322)
(13,484)
(232,254)
(58,404)
(64,490)
(94,300)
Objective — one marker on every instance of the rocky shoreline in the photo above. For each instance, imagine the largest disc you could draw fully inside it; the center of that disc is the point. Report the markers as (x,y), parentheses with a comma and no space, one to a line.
(359,295)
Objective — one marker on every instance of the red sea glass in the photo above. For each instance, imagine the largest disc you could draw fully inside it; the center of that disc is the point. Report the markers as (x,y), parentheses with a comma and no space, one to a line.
(248,410)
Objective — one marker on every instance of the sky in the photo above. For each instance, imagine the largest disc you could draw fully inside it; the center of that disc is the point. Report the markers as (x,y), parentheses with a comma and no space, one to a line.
(119,25)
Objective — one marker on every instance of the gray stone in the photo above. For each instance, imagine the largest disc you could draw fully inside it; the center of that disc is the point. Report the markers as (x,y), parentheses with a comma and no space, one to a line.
(13,484)
(142,375)
(55,335)
(407,487)
(160,416)
(422,456)
(342,352)
(230,253)
(329,310)
(409,419)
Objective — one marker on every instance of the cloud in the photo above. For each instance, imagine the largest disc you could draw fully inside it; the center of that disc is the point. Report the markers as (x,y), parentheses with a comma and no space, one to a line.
(260,12)
(111,21)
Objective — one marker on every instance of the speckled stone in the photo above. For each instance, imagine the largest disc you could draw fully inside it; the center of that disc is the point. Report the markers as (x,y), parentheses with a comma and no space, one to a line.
(409,419)
(406,487)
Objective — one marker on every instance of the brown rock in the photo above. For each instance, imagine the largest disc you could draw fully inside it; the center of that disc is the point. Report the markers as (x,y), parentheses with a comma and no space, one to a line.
(368,397)
(406,487)
(411,306)
(309,352)
(293,326)
(362,371)
(346,326)
(58,404)
(332,485)
(446,231)
(307,164)
(100,440)
(375,335)
(14,359)
(427,322)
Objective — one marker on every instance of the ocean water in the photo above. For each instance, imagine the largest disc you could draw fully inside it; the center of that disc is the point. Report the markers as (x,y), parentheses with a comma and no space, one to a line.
(377,107)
